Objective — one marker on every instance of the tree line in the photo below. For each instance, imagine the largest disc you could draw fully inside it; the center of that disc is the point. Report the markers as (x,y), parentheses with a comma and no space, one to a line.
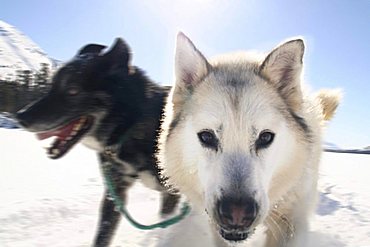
(27,86)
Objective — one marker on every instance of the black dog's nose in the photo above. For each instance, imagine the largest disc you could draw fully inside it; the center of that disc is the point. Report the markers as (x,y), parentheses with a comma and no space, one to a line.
(21,117)
(237,213)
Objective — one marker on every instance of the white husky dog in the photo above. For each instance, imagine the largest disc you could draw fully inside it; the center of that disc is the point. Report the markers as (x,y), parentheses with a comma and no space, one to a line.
(243,143)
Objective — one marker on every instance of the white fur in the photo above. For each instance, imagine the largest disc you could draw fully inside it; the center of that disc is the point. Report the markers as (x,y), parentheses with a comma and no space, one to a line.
(238,99)
(91,142)
(150,181)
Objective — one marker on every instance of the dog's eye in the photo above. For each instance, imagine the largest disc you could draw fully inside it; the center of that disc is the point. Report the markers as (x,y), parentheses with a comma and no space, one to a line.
(73,91)
(208,139)
(265,139)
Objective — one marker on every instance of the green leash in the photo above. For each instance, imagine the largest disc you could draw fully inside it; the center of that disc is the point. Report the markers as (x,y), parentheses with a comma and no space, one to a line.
(185,209)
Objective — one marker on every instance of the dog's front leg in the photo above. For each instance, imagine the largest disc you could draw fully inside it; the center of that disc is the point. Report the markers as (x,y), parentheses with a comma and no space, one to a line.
(109,215)
(109,219)
(168,202)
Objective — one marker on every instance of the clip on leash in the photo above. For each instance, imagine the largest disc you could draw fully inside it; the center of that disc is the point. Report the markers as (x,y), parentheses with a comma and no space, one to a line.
(185,209)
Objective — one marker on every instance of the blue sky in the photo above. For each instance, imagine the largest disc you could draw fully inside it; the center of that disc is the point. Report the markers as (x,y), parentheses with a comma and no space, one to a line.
(337,37)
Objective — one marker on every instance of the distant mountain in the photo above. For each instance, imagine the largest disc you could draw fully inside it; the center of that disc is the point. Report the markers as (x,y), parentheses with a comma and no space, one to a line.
(330,147)
(19,52)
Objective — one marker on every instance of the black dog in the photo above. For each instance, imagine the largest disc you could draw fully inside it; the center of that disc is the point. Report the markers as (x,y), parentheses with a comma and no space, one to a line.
(100,99)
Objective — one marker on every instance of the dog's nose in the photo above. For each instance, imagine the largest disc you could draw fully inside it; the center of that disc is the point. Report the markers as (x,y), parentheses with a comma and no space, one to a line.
(237,213)
(22,119)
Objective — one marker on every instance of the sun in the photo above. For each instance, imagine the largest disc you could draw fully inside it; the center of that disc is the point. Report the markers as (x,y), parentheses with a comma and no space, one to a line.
(179,14)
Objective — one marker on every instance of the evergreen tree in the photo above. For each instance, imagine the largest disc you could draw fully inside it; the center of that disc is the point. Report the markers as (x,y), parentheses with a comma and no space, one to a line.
(8,96)
(24,78)
(42,76)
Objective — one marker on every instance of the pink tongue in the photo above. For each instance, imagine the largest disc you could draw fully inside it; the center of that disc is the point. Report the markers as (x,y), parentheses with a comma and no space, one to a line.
(62,132)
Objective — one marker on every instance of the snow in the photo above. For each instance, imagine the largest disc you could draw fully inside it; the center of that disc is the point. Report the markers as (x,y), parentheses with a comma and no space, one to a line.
(344,212)
(18,52)
(56,202)
(7,122)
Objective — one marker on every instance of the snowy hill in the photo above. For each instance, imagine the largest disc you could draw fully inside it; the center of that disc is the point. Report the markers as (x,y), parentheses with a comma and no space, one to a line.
(55,203)
(18,52)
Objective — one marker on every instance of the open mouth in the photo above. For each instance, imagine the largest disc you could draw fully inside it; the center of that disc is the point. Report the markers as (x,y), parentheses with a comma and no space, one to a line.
(233,235)
(66,136)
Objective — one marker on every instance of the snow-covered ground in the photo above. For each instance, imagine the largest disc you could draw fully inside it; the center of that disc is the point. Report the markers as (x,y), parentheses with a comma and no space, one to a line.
(55,203)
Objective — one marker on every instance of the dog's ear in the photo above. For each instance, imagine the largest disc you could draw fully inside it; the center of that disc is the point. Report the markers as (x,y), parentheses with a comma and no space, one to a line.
(282,67)
(118,57)
(190,66)
(328,100)
(91,49)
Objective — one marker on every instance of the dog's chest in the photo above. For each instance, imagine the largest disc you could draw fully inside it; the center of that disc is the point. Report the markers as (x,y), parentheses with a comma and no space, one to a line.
(127,168)
(146,177)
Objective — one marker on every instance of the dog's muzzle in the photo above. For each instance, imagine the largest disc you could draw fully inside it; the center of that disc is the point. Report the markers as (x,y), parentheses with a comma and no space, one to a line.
(235,217)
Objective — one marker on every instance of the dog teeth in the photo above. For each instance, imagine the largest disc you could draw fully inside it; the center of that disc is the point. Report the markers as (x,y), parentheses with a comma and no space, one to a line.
(55,152)
(74,132)
(77,127)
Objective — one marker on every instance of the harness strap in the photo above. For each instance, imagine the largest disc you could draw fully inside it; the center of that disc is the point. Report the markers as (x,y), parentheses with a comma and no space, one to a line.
(185,209)
(109,151)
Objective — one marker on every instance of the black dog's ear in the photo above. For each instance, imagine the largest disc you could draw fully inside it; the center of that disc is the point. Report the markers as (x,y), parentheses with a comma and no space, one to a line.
(91,49)
(118,56)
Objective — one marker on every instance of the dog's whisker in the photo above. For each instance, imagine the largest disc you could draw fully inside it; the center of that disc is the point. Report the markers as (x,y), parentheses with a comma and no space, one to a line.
(285,221)
(278,227)
(271,229)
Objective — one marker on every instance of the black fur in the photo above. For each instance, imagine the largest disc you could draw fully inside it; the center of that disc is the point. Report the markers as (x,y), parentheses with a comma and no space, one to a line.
(122,102)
